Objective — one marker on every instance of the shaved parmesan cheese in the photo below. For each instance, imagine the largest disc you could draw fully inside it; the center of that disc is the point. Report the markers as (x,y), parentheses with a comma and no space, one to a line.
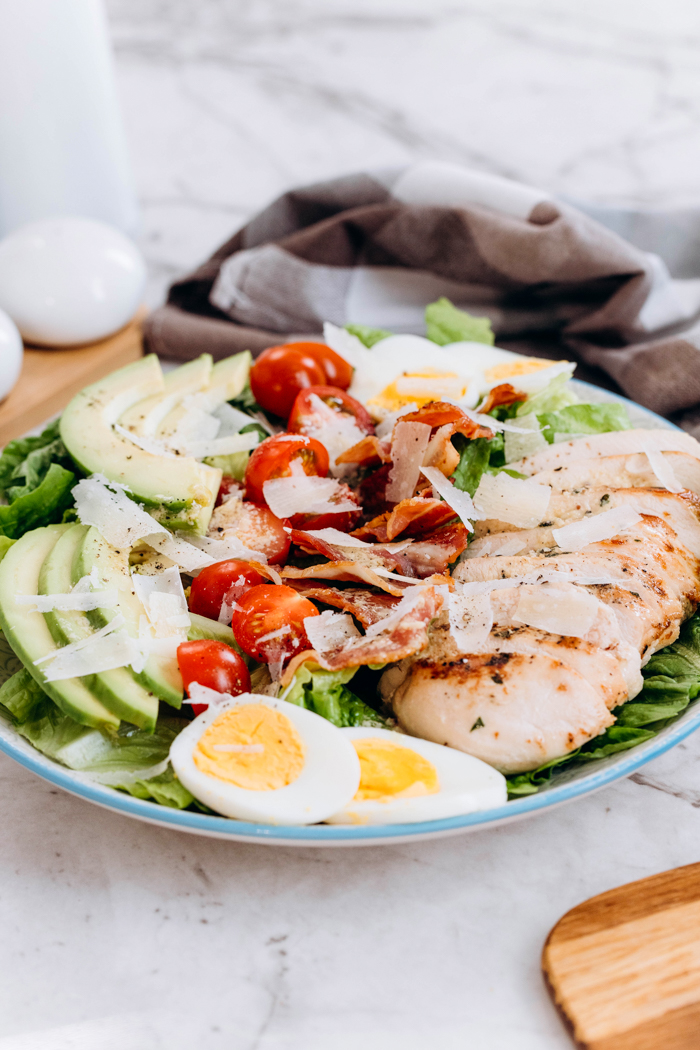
(80,602)
(471,620)
(348,346)
(522,503)
(225,546)
(594,529)
(148,444)
(407,604)
(164,600)
(461,502)
(224,446)
(337,432)
(500,545)
(571,613)
(387,574)
(529,440)
(304,494)
(105,650)
(330,630)
(105,505)
(408,447)
(343,539)
(184,554)
(202,694)
(389,419)
(232,420)
(272,636)
(662,468)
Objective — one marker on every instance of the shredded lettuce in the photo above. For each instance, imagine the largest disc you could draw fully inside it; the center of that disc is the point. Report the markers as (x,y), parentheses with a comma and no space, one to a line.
(444,324)
(326,693)
(43,506)
(584,419)
(367,335)
(671,682)
(555,396)
(36,477)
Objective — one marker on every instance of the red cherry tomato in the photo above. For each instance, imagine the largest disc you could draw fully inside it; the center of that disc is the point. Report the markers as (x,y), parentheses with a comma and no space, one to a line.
(223,579)
(273,457)
(267,610)
(307,415)
(213,664)
(344,521)
(258,529)
(336,369)
(227,488)
(279,374)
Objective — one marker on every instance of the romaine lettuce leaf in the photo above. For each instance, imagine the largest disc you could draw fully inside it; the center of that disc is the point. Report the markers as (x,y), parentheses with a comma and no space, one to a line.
(367,335)
(474,458)
(555,396)
(584,419)
(326,693)
(444,324)
(42,506)
(166,790)
(20,696)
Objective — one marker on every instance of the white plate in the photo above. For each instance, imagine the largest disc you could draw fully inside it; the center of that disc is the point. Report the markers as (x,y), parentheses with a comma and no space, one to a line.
(566,786)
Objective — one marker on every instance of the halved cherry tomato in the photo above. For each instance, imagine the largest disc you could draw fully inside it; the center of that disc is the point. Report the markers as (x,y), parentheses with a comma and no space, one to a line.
(213,664)
(343,521)
(257,528)
(274,610)
(273,457)
(336,369)
(306,413)
(223,579)
(279,374)
(228,487)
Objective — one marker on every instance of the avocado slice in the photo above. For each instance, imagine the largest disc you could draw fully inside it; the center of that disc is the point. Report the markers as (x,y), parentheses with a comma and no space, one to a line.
(145,416)
(228,377)
(177,490)
(27,632)
(117,689)
(161,674)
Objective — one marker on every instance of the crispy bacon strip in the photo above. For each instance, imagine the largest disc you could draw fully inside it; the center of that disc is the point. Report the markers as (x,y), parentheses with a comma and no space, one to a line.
(374,529)
(418,516)
(313,544)
(349,571)
(432,554)
(370,452)
(369,557)
(364,605)
(440,413)
(505,394)
(400,638)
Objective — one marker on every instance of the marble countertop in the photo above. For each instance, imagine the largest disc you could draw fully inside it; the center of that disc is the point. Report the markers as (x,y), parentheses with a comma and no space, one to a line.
(122,936)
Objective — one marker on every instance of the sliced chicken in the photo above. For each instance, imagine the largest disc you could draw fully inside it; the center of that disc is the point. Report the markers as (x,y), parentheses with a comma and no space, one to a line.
(616,443)
(620,472)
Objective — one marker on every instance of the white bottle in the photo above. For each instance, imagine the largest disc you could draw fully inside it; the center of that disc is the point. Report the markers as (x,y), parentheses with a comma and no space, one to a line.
(62,144)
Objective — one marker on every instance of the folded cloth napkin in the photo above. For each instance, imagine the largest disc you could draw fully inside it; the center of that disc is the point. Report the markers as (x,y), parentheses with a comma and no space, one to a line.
(375,248)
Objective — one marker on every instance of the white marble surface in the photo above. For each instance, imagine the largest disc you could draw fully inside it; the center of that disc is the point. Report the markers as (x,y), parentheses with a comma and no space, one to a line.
(119,936)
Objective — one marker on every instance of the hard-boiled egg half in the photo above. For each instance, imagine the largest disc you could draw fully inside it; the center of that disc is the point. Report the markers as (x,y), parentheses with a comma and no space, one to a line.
(258,759)
(405,780)
(409,369)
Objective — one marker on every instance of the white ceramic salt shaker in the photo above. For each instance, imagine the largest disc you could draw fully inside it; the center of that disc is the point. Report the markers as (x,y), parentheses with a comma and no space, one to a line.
(69,280)
(11,351)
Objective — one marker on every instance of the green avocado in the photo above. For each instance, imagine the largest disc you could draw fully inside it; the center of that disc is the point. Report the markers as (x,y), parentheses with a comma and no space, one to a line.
(161,674)
(178,491)
(117,688)
(27,632)
(203,627)
(146,416)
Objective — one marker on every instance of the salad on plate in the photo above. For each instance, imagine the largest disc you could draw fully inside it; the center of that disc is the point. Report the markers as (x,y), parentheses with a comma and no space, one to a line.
(379,579)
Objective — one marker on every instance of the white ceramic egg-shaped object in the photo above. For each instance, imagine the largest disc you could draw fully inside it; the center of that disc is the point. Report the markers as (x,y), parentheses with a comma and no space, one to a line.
(69,280)
(11,351)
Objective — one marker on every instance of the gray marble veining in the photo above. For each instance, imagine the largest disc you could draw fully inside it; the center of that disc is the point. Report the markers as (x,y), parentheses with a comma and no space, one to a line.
(120,936)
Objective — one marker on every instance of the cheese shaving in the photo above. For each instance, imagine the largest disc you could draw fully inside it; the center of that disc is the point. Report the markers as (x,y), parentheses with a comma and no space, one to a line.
(225,546)
(202,694)
(105,650)
(594,529)
(571,613)
(304,494)
(80,598)
(522,503)
(337,432)
(343,539)
(500,545)
(407,604)
(662,468)
(224,446)
(330,630)
(148,444)
(461,502)
(106,506)
(471,620)
(408,445)
(164,600)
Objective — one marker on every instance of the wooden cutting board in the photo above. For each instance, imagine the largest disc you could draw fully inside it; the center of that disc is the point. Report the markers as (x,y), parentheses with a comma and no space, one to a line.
(49,378)
(624,968)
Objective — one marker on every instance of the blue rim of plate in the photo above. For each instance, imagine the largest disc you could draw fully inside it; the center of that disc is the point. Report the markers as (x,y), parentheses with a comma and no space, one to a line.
(604,772)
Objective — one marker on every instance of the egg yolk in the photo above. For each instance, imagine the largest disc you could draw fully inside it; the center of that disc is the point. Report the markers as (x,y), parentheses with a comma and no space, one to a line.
(420,388)
(390,771)
(252,746)
(524,367)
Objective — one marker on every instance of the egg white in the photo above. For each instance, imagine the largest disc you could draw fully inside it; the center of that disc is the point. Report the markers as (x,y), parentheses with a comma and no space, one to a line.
(328,781)
(466,784)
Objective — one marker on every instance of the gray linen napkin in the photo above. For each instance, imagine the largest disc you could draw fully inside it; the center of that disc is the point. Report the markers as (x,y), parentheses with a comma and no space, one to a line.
(375,248)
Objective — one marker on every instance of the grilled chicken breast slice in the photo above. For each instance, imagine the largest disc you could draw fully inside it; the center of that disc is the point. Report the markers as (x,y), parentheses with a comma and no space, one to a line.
(615,443)
(620,472)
